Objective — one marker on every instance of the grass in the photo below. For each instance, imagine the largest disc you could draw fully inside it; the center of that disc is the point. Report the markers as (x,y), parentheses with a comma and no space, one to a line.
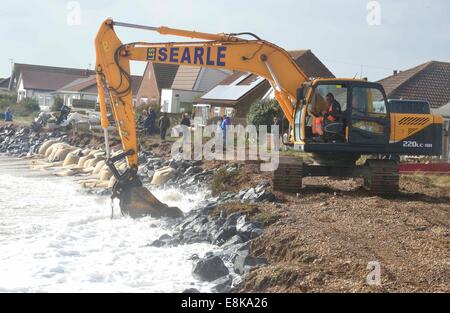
(222,180)
(251,210)
(442,181)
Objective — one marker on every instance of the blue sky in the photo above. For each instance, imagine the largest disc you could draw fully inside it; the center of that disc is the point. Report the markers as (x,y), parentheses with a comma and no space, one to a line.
(411,32)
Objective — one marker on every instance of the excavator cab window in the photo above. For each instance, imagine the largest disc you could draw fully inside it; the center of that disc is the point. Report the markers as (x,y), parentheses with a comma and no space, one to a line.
(369,118)
(330,130)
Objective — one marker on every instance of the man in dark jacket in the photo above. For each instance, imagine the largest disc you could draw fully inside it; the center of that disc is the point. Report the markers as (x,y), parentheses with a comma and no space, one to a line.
(164,124)
(334,112)
(186,121)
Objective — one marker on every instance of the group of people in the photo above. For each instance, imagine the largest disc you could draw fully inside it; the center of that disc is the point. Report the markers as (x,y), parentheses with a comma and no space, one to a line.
(148,121)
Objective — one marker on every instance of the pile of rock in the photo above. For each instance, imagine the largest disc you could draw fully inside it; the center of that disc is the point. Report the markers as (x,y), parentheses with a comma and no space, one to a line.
(232,234)
(182,174)
(23,142)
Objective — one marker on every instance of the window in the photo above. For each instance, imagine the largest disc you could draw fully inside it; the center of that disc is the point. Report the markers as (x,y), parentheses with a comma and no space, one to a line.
(318,101)
(216,111)
(368,102)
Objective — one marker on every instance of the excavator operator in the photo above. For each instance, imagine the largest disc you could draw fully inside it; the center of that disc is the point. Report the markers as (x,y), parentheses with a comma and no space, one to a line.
(329,125)
(334,112)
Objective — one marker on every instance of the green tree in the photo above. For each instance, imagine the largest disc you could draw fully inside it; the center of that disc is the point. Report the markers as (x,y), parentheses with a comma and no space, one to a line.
(263,111)
(29,105)
(58,102)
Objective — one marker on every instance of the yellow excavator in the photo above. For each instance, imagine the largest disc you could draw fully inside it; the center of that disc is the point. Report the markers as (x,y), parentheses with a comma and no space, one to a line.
(366,125)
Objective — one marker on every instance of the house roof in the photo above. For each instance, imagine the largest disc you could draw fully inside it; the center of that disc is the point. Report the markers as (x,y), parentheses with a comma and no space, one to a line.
(443,110)
(89,85)
(164,74)
(4,83)
(240,84)
(310,64)
(47,78)
(429,81)
(186,77)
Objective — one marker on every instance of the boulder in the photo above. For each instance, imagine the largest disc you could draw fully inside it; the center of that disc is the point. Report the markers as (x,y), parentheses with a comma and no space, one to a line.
(191,290)
(223,284)
(224,234)
(209,269)
(244,263)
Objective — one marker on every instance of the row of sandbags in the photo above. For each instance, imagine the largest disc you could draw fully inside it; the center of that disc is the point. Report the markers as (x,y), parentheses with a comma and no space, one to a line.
(89,164)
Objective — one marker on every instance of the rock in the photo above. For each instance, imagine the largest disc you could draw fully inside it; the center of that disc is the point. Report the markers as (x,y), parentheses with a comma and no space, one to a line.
(223,284)
(250,195)
(247,230)
(162,241)
(191,290)
(256,233)
(194,257)
(193,170)
(209,269)
(244,263)
(236,239)
(224,234)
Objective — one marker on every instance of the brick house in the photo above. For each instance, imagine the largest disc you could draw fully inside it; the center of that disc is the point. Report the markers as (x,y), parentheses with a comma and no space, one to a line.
(429,81)
(234,95)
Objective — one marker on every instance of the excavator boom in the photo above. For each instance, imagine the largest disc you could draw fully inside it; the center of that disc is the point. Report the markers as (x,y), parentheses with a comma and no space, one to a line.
(227,51)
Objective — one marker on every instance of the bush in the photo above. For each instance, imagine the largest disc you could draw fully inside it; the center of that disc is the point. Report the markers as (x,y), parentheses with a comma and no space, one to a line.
(29,105)
(222,180)
(57,104)
(263,111)
(7,100)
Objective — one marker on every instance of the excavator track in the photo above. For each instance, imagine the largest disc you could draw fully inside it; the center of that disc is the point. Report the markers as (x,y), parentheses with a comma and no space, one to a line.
(288,176)
(382,177)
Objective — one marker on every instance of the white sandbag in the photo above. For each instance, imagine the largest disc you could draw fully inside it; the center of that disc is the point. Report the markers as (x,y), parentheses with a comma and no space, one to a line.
(83,160)
(46,145)
(98,167)
(163,175)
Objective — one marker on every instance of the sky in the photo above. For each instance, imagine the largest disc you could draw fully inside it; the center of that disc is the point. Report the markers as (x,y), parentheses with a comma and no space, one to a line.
(353,38)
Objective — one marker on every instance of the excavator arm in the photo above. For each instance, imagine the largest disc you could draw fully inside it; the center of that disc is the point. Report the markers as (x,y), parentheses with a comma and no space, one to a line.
(227,51)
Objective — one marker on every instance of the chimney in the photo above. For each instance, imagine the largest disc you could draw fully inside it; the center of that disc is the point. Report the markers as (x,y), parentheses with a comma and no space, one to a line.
(395,72)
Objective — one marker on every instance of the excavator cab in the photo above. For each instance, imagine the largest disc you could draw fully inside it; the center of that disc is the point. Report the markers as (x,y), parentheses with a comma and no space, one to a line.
(363,123)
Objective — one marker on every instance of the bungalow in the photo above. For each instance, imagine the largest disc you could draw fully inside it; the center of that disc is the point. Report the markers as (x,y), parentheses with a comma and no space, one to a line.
(234,95)
(39,82)
(83,92)
(429,81)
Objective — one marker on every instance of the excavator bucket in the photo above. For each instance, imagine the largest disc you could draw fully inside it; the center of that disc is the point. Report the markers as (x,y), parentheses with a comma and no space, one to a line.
(139,201)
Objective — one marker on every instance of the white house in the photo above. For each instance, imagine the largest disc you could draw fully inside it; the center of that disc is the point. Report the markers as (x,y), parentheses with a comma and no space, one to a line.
(189,85)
